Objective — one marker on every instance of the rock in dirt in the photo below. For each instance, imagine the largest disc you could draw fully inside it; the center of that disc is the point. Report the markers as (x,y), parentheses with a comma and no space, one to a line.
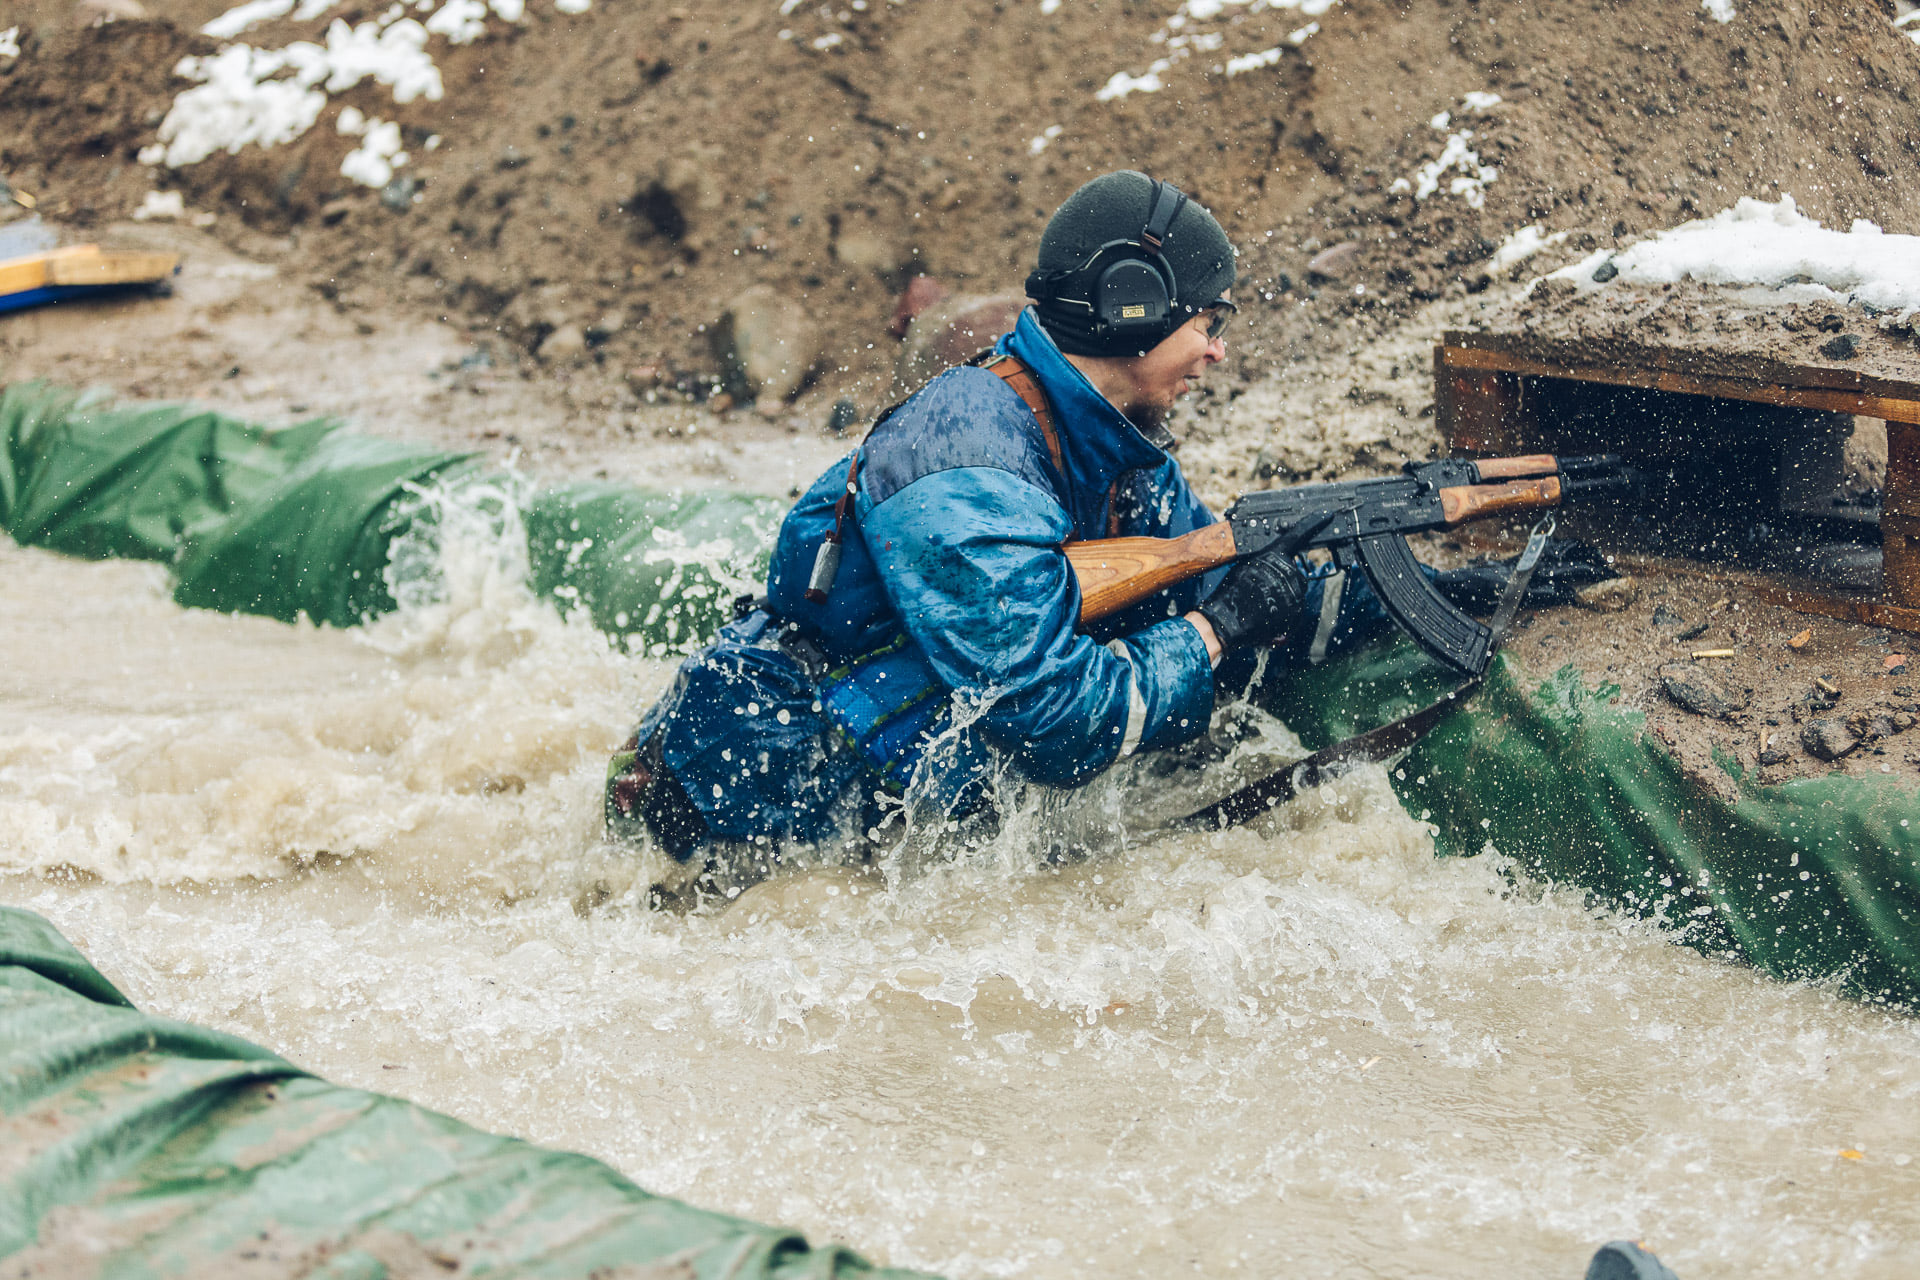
(947,334)
(1334,263)
(1667,619)
(568,342)
(870,251)
(921,292)
(767,344)
(1700,691)
(1610,596)
(1827,739)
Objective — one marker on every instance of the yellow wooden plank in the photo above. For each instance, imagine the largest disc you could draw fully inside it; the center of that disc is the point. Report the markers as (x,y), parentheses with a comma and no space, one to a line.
(85,264)
(113,266)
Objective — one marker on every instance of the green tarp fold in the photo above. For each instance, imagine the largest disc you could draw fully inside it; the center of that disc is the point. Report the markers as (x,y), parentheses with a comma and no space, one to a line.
(1814,879)
(300,521)
(137,1148)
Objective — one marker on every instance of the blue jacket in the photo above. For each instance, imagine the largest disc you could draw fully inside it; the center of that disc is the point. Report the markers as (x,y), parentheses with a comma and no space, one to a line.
(949,636)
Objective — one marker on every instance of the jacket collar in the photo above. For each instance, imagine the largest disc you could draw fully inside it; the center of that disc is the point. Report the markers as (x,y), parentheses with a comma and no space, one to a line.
(1098,440)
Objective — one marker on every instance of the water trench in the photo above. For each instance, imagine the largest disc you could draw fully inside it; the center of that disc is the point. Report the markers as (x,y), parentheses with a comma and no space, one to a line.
(1306,1047)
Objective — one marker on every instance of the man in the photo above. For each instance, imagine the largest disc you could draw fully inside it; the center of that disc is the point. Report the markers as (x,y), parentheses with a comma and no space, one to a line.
(920,628)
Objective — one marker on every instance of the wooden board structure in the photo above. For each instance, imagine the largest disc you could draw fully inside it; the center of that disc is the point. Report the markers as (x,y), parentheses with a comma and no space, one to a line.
(1481,406)
(77,269)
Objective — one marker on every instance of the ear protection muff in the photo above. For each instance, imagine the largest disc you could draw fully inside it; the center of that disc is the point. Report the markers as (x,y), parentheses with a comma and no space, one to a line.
(1126,289)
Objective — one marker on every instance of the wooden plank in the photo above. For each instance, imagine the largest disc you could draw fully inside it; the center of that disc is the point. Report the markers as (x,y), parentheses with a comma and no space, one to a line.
(1871,406)
(1902,494)
(1900,559)
(1604,349)
(1480,412)
(84,265)
(1868,613)
(113,267)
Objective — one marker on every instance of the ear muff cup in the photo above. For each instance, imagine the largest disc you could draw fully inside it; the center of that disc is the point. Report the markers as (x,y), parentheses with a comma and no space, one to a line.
(1133,296)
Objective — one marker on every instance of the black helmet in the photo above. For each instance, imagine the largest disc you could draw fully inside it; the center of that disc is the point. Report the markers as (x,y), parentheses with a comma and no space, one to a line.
(1124,262)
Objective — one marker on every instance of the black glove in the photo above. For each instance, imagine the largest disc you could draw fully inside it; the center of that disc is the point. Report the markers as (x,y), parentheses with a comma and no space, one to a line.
(1257,602)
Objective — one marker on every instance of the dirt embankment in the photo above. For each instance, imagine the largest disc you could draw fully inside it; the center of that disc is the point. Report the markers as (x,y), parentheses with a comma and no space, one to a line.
(628,170)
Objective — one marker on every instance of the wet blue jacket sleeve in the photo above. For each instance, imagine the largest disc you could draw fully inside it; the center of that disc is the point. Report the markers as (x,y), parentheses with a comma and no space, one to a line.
(970,558)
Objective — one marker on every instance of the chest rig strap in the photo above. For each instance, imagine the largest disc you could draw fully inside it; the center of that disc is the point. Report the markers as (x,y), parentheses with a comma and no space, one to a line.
(1011,370)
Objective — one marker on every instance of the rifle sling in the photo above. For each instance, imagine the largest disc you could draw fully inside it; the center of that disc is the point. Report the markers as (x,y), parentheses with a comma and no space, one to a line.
(1375,746)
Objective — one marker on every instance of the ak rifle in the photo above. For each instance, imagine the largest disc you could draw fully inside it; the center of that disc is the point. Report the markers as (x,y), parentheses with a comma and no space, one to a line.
(1365,524)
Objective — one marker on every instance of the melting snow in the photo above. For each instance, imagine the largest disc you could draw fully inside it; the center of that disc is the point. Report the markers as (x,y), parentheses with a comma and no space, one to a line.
(1047,135)
(269,96)
(10,43)
(372,163)
(164,205)
(1470,175)
(1757,243)
(1718,10)
(1182,43)
(1521,245)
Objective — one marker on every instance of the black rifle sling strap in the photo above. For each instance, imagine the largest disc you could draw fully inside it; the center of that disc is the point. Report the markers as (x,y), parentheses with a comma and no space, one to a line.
(1381,745)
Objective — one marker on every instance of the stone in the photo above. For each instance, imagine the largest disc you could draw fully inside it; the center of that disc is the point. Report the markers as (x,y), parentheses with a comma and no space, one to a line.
(1335,262)
(1844,347)
(92,13)
(399,194)
(767,344)
(1700,691)
(868,250)
(1605,272)
(1610,596)
(921,292)
(1667,619)
(1775,755)
(1827,739)
(568,342)
(843,417)
(950,333)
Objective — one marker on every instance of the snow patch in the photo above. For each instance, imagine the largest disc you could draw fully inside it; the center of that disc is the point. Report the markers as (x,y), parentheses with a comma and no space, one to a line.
(1120,84)
(1044,140)
(1718,10)
(162,205)
(10,43)
(372,163)
(238,19)
(1521,245)
(266,97)
(1182,43)
(1470,175)
(1253,61)
(1757,243)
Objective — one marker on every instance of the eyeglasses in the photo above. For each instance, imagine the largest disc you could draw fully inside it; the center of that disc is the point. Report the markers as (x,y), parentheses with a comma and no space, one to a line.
(1216,314)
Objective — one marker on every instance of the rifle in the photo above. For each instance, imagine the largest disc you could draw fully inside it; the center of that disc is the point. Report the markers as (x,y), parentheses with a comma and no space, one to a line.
(1365,524)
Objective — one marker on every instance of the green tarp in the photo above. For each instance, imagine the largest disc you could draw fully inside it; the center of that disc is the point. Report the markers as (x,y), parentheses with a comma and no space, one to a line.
(301,520)
(138,1148)
(1814,879)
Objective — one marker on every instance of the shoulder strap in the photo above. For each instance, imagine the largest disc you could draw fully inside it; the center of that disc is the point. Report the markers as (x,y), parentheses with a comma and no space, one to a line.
(1013,371)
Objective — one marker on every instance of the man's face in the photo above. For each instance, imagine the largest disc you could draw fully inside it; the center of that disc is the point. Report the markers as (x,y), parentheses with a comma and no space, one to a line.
(1170,370)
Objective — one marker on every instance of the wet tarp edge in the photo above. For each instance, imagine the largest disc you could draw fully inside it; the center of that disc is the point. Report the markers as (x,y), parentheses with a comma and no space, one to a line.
(1815,879)
(303,520)
(137,1147)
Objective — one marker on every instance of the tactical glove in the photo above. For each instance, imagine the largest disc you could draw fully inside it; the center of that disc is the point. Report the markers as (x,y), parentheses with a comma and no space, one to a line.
(1257,602)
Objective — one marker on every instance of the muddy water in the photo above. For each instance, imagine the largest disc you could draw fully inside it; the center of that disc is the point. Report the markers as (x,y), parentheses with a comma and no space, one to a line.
(1309,1049)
